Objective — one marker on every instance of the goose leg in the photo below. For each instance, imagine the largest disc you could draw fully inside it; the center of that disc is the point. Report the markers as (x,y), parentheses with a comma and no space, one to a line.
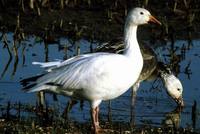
(68,108)
(97,116)
(95,120)
(134,93)
(109,112)
(41,97)
(133,99)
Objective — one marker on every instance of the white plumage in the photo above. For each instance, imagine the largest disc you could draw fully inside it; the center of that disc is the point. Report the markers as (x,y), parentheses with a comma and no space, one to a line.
(99,76)
(91,77)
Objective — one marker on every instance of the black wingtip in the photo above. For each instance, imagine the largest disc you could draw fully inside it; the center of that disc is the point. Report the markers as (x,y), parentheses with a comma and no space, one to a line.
(26,81)
(28,88)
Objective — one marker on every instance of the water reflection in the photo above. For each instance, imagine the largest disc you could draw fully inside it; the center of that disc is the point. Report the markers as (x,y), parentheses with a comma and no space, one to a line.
(194,114)
(6,45)
(152,102)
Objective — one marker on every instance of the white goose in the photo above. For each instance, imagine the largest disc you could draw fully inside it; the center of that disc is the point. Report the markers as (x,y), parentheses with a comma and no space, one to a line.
(99,76)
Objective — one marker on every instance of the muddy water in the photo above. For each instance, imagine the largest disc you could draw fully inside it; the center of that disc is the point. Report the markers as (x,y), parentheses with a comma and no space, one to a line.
(153,105)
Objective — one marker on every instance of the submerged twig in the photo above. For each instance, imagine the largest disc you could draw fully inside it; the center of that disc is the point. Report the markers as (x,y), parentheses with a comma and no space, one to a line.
(23,53)
(15,65)
(188,71)
(6,67)
(6,44)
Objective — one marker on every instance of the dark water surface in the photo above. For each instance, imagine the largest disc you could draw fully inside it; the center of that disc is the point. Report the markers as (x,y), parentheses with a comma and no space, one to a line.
(153,105)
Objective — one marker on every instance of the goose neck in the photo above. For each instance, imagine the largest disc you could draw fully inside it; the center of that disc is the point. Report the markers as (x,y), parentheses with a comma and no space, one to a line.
(132,48)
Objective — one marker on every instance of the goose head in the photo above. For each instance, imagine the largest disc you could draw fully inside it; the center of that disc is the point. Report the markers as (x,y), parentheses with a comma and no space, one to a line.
(139,16)
(174,88)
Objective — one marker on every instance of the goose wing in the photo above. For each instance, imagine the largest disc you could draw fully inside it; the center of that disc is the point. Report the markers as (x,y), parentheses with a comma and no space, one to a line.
(91,73)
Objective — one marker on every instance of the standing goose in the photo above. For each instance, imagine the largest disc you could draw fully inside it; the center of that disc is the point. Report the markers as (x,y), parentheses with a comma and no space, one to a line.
(99,76)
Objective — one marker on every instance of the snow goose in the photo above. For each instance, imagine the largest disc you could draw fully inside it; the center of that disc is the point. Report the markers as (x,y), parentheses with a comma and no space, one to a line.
(99,76)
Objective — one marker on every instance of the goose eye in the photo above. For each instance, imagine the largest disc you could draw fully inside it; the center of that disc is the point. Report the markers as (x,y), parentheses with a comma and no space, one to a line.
(179,89)
(141,13)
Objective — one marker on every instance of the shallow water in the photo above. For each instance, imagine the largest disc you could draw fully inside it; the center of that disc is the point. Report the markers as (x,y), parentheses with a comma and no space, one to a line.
(153,106)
